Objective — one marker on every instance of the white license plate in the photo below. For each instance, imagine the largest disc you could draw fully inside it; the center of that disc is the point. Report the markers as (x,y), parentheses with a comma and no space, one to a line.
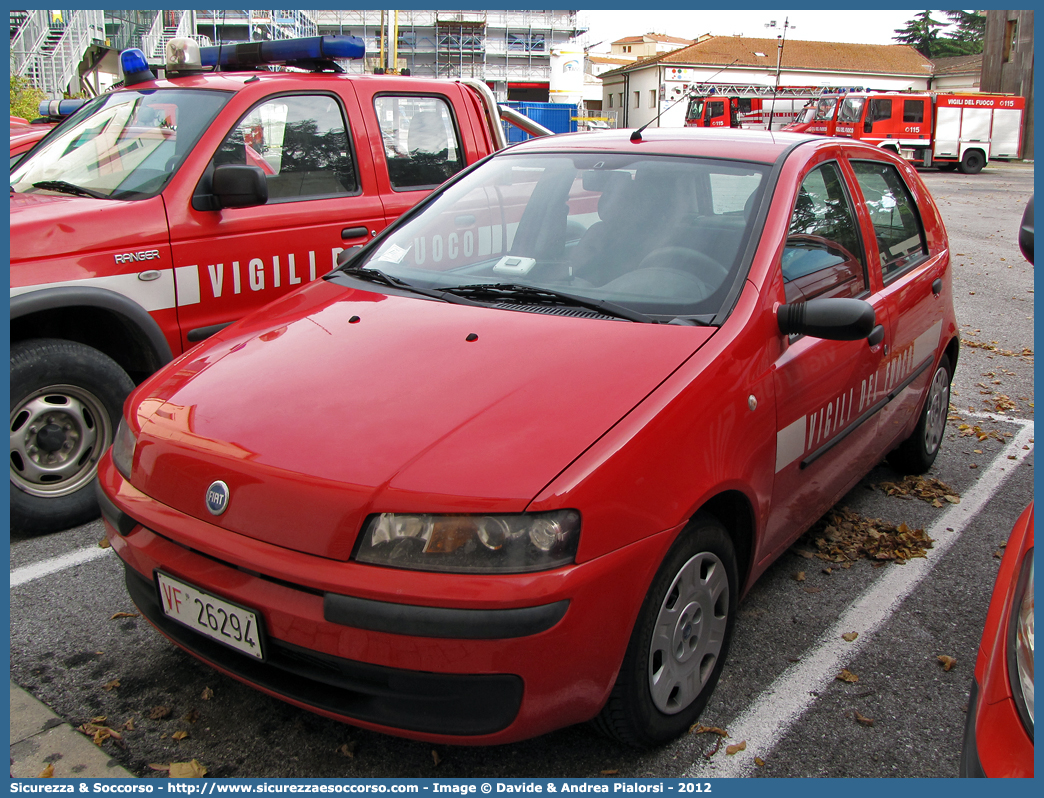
(209,615)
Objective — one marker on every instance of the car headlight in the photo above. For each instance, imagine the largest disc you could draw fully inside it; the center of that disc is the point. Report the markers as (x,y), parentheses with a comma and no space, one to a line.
(1020,648)
(123,449)
(471,543)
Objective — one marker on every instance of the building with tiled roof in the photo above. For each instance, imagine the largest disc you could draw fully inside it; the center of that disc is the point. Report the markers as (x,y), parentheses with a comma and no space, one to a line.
(959,73)
(633,95)
(649,44)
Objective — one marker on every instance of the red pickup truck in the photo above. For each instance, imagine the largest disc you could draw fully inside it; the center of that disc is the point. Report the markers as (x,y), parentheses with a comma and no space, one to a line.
(172,207)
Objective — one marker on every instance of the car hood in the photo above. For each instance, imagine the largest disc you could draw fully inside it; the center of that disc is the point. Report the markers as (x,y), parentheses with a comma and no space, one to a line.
(335,402)
(46,226)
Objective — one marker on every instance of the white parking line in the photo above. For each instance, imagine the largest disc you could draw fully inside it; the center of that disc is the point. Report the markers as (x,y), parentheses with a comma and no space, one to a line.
(786,699)
(27,573)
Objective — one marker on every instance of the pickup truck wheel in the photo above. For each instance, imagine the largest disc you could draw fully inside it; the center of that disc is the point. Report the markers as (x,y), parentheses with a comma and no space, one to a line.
(66,400)
(972,162)
(916,454)
(680,640)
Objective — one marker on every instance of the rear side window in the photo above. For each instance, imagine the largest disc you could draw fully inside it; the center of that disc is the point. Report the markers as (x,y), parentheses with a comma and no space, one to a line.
(913,110)
(823,256)
(897,224)
(421,145)
(301,144)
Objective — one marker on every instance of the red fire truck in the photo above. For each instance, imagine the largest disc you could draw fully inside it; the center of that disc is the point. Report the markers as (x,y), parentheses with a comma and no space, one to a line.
(818,117)
(749,107)
(934,129)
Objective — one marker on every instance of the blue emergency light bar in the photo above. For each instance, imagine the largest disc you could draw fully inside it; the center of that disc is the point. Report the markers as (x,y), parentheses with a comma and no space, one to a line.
(284,51)
(59,107)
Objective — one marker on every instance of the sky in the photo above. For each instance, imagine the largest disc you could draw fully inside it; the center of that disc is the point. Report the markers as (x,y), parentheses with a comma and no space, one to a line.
(856,27)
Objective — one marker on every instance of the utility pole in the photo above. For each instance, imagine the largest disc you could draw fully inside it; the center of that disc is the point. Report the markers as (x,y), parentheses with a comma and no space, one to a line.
(780,41)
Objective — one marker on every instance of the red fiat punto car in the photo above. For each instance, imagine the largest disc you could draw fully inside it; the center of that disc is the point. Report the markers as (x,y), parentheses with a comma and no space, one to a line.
(512,466)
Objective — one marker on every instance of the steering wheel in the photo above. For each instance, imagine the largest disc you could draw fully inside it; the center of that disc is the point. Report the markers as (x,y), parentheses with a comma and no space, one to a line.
(660,281)
(687,260)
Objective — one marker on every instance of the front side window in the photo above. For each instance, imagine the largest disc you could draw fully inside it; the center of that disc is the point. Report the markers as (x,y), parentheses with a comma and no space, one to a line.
(851,109)
(421,146)
(695,110)
(301,144)
(661,235)
(825,109)
(897,225)
(125,145)
(880,109)
(823,254)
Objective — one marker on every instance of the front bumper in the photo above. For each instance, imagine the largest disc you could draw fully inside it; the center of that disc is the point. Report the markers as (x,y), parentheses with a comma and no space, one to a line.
(449,658)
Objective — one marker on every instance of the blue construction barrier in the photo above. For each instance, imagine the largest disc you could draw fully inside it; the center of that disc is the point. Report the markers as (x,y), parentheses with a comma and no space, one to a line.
(557,117)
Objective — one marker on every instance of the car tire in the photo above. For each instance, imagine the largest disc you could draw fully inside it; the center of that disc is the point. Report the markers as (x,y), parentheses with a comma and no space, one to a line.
(66,401)
(917,453)
(679,642)
(972,162)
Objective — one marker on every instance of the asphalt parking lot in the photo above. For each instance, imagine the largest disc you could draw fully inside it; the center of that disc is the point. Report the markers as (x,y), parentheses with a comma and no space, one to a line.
(77,646)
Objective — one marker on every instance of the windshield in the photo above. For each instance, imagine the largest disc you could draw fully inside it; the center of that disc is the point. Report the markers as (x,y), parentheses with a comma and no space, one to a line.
(825,109)
(806,115)
(695,110)
(851,109)
(659,235)
(125,145)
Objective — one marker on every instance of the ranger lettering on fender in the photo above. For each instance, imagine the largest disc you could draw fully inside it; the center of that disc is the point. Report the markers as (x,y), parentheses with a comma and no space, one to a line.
(131,257)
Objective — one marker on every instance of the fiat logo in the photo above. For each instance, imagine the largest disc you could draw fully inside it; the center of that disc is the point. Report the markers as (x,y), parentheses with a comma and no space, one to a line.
(217,497)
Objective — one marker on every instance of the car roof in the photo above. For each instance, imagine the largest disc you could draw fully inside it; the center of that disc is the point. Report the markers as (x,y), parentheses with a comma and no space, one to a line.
(760,146)
(237,81)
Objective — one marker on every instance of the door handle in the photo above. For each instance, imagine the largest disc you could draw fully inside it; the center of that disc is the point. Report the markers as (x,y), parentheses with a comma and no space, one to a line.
(876,335)
(354,232)
(937,286)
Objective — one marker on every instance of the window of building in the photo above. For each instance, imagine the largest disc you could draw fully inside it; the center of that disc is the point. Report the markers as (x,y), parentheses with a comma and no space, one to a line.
(1011,32)
(637,99)
(897,225)
(610,100)
(652,98)
(301,144)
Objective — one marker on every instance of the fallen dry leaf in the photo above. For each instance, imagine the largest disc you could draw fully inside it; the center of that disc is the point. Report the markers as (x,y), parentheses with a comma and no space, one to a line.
(699,728)
(847,676)
(159,713)
(125,615)
(110,686)
(759,761)
(207,694)
(179,735)
(435,756)
(799,576)
(927,489)
(864,720)
(845,536)
(610,772)
(129,725)
(47,772)
(104,543)
(717,745)
(850,636)
(160,768)
(191,716)
(348,750)
(187,770)
(946,662)
(731,750)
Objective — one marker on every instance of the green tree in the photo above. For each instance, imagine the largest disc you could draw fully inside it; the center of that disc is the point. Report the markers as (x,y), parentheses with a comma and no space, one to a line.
(921,33)
(25,98)
(968,30)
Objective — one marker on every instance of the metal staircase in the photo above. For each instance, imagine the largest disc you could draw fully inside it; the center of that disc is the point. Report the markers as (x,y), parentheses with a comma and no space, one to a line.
(48,46)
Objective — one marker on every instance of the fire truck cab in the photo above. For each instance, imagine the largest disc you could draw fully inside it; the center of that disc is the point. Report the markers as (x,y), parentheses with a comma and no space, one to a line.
(929,129)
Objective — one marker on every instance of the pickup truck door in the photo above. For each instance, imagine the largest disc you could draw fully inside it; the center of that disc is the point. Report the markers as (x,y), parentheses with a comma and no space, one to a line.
(322,198)
(418,139)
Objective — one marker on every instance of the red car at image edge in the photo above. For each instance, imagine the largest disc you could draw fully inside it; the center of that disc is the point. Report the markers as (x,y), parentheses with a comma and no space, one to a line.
(514,463)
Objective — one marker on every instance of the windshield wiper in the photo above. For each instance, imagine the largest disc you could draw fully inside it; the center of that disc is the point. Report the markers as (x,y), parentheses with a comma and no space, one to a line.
(527,293)
(63,187)
(377,276)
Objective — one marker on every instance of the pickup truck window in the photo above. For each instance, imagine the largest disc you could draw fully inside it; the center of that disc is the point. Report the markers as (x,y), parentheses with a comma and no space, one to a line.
(127,146)
(421,145)
(301,144)
(900,237)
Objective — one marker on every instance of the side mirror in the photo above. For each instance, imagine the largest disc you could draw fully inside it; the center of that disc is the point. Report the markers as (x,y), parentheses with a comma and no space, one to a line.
(345,256)
(1026,232)
(834,319)
(237,186)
